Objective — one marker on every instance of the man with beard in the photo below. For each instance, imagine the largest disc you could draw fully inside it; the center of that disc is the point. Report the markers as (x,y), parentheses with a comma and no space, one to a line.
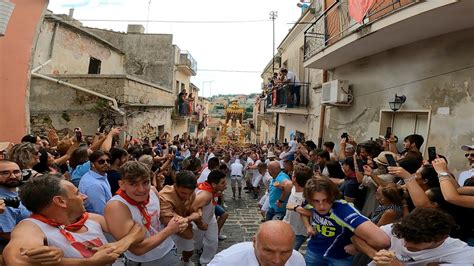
(60,222)
(94,184)
(10,180)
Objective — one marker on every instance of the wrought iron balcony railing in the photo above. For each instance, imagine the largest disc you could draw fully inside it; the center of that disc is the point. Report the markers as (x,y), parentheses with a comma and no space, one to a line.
(293,95)
(335,23)
(187,60)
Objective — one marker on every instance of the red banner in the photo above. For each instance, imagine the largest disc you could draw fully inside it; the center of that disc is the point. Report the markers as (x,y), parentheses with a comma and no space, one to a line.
(359,8)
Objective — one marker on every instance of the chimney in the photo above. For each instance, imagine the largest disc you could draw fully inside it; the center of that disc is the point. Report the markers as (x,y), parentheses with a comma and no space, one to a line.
(135,28)
(71,13)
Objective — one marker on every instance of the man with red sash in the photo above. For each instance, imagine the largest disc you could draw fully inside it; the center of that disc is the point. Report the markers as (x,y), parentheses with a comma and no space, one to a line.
(137,202)
(206,196)
(59,219)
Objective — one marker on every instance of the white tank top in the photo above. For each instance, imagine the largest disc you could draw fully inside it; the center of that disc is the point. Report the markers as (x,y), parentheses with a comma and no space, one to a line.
(153,208)
(208,211)
(94,237)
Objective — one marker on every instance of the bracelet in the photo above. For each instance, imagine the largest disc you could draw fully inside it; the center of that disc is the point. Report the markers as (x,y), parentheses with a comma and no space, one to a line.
(409,179)
(442,178)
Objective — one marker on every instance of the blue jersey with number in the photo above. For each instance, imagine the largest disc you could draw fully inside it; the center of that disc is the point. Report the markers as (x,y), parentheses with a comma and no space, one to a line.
(334,230)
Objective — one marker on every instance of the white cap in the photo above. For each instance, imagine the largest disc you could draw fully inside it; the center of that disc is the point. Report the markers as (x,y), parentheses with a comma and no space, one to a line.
(467,147)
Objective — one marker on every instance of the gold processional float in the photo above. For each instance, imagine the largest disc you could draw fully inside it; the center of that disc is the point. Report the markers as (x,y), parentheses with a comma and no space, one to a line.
(233,130)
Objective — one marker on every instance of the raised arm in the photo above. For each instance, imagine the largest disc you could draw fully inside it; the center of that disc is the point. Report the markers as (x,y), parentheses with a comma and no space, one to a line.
(107,144)
(449,186)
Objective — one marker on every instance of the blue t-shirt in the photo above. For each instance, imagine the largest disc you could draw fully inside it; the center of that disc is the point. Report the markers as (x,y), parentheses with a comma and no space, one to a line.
(334,230)
(97,189)
(275,193)
(11,216)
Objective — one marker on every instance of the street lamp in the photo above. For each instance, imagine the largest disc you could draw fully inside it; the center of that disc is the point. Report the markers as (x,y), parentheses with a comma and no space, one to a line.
(396,104)
(273,16)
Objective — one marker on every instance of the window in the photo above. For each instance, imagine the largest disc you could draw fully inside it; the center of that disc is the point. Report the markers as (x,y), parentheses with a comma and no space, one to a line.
(94,66)
(161,130)
(405,123)
(183,86)
(281,134)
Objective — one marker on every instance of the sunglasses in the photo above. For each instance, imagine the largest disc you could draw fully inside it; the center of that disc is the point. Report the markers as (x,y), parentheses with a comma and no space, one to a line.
(469,155)
(102,161)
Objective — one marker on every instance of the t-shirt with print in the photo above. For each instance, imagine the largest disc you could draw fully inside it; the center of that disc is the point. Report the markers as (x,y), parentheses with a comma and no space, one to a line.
(334,230)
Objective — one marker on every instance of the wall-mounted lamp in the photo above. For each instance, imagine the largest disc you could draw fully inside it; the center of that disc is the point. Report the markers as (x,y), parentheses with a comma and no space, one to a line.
(397,103)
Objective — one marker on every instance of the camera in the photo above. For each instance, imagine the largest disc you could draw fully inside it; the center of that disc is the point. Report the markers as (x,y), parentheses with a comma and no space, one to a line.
(345,136)
(12,202)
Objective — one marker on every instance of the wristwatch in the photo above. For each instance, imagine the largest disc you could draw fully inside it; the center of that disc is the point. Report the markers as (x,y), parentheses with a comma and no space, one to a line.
(296,207)
(444,174)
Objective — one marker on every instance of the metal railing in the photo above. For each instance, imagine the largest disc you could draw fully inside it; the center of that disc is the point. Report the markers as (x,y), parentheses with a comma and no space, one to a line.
(292,95)
(186,59)
(335,23)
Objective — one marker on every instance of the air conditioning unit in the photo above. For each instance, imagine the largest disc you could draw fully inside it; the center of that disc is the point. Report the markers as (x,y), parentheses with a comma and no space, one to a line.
(335,92)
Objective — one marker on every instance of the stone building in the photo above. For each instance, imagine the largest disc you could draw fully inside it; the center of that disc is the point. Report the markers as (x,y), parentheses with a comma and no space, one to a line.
(87,76)
(418,49)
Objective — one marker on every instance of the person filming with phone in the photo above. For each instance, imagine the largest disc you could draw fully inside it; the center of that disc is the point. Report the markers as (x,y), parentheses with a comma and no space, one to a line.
(14,211)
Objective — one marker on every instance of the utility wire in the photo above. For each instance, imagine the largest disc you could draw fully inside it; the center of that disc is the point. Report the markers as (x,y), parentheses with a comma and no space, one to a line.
(229,70)
(176,21)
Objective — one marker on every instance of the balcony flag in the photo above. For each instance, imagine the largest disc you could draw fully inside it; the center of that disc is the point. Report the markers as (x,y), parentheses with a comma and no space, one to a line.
(359,8)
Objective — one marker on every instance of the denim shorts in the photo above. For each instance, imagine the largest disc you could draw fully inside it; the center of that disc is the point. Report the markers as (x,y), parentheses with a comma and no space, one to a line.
(219,210)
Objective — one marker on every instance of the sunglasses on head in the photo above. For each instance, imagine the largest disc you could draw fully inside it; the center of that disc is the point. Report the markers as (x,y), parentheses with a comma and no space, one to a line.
(102,161)
(469,155)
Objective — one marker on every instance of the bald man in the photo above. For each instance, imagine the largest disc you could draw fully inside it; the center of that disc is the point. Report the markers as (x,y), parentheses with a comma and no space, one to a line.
(271,246)
(278,192)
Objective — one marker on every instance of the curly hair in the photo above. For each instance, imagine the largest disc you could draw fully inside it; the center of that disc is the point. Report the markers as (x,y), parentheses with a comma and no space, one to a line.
(424,225)
(22,154)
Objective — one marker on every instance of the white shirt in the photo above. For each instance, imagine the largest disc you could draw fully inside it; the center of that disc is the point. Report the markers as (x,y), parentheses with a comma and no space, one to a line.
(293,146)
(452,250)
(236,168)
(204,174)
(211,155)
(463,176)
(244,254)
(292,77)
(292,217)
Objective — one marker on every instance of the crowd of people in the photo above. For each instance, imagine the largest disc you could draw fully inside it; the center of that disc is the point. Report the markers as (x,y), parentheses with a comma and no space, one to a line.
(95,200)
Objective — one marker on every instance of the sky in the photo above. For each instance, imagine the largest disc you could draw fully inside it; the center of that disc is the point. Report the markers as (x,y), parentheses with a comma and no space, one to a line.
(242,48)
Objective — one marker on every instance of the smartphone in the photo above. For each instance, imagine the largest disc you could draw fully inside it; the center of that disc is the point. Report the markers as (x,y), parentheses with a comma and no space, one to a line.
(360,165)
(78,133)
(345,136)
(431,154)
(101,129)
(388,132)
(390,160)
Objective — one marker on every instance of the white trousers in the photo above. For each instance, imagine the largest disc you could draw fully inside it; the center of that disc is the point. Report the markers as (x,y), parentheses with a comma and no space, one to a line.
(207,240)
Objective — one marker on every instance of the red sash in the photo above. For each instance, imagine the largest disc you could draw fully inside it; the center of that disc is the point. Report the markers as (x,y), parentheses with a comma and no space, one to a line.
(140,205)
(208,187)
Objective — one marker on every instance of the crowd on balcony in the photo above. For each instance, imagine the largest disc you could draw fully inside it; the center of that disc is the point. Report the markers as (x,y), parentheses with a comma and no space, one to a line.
(282,90)
(185,103)
(363,203)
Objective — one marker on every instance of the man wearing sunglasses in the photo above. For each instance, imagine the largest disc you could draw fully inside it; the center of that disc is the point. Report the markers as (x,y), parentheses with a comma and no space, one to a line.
(463,176)
(10,180)
(94,184)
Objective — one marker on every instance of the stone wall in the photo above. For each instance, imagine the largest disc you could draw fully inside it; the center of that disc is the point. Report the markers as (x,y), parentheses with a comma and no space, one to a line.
(436,76)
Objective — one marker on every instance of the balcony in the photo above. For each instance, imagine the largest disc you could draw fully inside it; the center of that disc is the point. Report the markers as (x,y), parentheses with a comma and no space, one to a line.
(187,63)
(289,98)
(334,39)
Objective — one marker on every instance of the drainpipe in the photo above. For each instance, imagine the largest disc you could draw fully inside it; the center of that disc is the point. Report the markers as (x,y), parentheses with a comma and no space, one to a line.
(322,114)
(114,105)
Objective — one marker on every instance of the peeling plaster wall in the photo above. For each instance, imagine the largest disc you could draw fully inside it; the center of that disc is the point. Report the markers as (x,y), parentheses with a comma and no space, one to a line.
(432,74)
(147,56)
(72,52)
(51,101)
